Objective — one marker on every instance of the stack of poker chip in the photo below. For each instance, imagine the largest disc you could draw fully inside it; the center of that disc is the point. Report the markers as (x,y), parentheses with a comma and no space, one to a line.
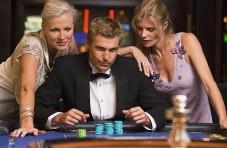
(99,129)
(109,130)
(81,133)
(118,127)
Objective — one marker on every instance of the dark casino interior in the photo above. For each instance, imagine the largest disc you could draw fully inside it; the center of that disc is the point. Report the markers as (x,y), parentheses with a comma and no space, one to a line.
(208,20)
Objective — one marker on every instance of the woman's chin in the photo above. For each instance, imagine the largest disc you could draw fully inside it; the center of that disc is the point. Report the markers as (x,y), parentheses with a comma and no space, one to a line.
(147,45)
(62,48)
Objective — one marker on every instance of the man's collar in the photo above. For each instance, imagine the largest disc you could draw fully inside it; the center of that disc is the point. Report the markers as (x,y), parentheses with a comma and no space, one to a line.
(95,70)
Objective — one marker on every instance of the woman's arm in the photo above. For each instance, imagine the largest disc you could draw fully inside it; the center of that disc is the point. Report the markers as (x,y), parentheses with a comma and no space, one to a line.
(28,76)
(142,60)
(197,58)
(127,51)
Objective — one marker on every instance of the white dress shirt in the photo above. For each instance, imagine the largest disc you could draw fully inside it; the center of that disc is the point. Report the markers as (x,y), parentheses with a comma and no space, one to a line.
(102,100)
(103,97)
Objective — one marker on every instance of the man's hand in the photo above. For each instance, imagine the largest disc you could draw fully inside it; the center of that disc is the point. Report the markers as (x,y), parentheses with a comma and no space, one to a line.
(71,117)
(137,115)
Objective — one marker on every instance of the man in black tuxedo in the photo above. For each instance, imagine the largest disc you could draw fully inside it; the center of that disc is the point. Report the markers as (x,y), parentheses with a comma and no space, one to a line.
(72,92)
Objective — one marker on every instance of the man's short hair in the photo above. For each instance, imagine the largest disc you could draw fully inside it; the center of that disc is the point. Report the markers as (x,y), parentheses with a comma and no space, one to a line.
(105,27)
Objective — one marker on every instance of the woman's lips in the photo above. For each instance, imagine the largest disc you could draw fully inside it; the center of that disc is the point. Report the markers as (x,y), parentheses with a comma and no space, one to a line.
(61,43)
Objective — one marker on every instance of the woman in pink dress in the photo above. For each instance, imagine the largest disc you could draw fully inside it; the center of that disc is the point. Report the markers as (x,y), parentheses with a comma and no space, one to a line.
(175,62)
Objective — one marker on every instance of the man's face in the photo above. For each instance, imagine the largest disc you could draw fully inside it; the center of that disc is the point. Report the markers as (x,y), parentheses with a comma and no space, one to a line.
(103,51)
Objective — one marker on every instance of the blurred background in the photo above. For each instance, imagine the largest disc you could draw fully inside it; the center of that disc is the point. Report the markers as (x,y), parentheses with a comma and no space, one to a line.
(205,18)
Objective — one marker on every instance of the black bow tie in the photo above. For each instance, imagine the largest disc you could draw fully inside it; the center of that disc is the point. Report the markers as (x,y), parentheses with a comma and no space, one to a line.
(99,75)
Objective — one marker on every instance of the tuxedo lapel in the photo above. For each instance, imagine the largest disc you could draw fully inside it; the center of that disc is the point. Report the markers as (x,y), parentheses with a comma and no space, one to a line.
(121,87)
(82,92)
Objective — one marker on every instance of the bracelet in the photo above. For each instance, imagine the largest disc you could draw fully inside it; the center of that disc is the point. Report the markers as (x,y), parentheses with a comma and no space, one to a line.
(26,114)
(22,117)
(27,110)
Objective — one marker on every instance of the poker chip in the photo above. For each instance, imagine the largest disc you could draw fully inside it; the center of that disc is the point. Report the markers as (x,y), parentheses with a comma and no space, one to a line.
(109,130)
(81,133)
(118,127)
(99,129)
(118,124)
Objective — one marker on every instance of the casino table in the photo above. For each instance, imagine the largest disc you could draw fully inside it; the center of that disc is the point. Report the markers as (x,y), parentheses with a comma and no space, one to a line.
(201,135)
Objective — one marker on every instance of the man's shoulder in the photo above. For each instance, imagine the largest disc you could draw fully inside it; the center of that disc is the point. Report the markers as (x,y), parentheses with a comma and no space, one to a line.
(127,62)
(72,58)
(69,64)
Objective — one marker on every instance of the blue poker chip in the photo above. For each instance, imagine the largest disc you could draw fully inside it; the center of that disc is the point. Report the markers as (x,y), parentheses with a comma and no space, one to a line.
(118,122)
(109,128)
(118,127)
(99,129)
(108,124)
(119,131)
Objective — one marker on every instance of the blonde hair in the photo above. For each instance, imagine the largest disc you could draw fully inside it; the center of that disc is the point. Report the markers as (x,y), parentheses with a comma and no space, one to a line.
(54,8)
(105,27)
(156,11)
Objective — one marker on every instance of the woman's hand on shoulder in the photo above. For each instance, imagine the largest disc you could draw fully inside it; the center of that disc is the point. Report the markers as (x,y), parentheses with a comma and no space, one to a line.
(23,131)
(142,61)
